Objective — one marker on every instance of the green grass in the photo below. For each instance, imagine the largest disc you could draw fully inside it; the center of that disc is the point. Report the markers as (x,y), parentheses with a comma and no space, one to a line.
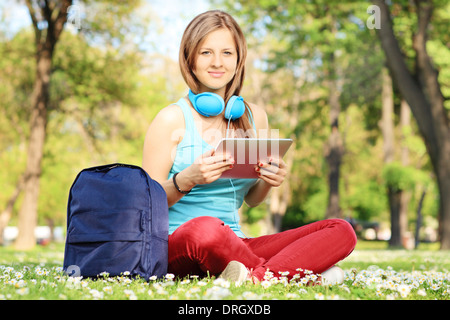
(373,272)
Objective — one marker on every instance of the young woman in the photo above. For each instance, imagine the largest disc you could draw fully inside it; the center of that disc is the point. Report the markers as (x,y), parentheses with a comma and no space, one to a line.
(204,231)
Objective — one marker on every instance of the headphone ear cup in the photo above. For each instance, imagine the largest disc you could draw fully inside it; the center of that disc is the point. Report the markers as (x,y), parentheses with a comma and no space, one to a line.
(235,108)
(207,103)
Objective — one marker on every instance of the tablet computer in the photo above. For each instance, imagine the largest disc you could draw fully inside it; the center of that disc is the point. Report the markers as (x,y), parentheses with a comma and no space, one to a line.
(247,152)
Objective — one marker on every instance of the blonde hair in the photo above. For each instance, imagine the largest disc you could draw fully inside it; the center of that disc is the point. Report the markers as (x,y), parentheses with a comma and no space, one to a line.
(195,32)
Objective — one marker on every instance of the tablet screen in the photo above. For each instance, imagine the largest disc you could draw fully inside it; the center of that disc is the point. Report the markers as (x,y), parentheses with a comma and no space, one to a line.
(247,153)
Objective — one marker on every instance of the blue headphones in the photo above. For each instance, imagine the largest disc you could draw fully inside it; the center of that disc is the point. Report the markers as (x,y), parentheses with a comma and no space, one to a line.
(211,104)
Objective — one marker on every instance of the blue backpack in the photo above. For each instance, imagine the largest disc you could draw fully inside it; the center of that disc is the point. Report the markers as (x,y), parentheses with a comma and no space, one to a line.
(117,221)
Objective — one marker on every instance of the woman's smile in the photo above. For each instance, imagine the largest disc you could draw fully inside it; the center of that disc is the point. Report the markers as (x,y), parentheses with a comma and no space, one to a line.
(216,74)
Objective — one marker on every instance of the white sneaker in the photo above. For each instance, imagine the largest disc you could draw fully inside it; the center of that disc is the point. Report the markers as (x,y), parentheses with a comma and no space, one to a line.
(332,276)
(235,272)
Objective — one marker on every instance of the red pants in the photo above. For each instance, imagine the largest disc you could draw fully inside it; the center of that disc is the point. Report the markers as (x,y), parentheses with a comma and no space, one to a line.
(206,244)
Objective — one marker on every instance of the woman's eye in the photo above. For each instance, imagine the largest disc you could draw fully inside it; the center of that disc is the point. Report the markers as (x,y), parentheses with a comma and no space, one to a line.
(205,52)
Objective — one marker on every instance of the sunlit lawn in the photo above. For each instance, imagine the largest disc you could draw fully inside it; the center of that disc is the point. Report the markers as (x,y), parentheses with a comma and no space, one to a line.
(372,272)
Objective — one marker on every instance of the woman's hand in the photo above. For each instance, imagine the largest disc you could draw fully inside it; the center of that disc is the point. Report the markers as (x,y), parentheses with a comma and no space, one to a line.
(273,171)
(207,168)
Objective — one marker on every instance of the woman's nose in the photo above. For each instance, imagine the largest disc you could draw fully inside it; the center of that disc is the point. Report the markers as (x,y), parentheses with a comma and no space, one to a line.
(216,61)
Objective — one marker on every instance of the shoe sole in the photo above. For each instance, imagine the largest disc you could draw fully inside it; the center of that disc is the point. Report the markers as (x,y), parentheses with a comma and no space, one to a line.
(335,276)
(235,272)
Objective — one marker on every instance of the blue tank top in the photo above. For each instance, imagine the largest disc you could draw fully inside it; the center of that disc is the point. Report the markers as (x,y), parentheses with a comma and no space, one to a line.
(221,198)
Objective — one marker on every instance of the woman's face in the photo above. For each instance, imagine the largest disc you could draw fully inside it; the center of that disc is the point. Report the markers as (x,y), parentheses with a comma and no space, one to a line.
(216,61)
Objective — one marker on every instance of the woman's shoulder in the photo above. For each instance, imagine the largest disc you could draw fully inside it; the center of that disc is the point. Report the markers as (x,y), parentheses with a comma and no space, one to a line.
(170,118)
(170,114)
(167,121)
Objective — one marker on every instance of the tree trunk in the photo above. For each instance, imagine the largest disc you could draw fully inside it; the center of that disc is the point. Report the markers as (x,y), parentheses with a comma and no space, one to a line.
(425,100)
(387,121)
(28,211)
(428,77)
(394,206)
(387,129)
(45,41)
(334,149)
(405,197)
(5,216)
(419,219)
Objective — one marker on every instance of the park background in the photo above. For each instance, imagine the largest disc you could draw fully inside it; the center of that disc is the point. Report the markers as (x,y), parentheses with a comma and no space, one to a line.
(368,110)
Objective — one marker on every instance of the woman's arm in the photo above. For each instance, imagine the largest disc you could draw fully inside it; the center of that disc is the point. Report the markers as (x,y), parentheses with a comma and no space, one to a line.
(161,140)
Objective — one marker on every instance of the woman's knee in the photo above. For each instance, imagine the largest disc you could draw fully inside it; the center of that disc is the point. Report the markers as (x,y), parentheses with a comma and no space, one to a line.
(346,231)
